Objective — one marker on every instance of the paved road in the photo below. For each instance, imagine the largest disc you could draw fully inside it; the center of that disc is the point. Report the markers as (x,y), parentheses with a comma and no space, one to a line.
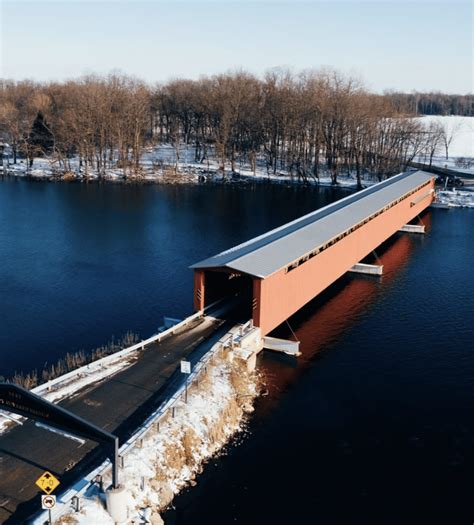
(467,178)
(119,405)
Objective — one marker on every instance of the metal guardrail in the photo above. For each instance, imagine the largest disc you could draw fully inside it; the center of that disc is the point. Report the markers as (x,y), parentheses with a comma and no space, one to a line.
(104,361)
(95,366)
(69,500)
(442,172)
(100,364)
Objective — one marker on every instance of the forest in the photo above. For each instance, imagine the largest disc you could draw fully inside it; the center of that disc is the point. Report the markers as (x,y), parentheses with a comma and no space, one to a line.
(301,124)
(433,103)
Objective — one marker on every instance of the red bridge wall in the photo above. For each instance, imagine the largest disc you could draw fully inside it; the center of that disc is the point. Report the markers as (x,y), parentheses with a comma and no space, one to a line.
(283,293)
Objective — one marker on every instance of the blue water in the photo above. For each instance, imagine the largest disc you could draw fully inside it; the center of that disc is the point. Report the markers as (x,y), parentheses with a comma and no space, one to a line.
(372,424)
(83,263)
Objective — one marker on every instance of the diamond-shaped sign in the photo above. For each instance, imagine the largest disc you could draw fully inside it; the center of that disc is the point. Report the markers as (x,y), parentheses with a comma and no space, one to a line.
(47,482)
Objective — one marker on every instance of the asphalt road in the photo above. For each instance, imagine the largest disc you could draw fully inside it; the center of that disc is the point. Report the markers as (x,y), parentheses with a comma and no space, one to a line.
(118,404)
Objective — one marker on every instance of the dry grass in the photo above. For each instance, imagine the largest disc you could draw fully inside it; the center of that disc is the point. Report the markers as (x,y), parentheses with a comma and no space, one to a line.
(67,520)
(72,361)
(190,441)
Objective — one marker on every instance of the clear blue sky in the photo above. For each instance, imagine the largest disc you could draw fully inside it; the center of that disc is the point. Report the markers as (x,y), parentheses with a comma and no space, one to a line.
(409,45)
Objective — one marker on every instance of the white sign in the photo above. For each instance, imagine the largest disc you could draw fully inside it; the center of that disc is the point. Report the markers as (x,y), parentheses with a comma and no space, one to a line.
(185,367)
(48,502)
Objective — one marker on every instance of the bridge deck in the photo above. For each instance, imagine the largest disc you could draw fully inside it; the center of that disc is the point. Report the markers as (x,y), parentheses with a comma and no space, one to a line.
(118,404)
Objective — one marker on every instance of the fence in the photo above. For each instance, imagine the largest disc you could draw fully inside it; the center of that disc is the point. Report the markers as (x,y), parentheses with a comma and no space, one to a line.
(71,498)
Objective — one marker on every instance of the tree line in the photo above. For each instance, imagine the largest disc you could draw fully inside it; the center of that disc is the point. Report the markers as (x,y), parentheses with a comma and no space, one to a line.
(301,124)
(433,103)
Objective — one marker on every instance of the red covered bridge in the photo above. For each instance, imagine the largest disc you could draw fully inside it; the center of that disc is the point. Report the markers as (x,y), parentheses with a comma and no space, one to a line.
(283,269)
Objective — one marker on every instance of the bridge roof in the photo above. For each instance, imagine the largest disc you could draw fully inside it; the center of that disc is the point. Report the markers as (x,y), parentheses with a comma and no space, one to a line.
(272,251)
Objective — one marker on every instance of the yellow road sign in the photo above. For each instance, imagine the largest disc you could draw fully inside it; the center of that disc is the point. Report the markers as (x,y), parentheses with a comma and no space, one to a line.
(47,482)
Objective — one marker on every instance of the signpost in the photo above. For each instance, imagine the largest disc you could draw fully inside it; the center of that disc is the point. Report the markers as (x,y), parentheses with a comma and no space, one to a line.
(48,503)
(186,369)
(18,400)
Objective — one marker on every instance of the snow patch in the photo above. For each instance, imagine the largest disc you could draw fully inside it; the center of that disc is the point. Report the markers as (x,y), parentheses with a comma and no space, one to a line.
(170,457)
(455,198)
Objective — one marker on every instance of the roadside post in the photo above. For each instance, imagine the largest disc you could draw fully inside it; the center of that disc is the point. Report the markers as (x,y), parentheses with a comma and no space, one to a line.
(48,503)
(47,482)
(186,369)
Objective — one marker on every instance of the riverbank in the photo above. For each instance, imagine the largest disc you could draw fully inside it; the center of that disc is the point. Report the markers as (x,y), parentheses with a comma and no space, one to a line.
(170,458)
(159,166)
(189,175)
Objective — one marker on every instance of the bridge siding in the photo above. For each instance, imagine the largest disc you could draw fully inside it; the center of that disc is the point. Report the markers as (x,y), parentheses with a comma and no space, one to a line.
(282,294)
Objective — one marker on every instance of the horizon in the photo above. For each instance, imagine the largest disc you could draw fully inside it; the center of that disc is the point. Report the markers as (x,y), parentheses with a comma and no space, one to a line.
(160,41)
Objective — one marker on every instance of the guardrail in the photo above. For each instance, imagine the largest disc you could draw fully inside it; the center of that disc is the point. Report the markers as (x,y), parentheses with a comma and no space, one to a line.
(70,499)
(443,172)
(95,366)
(104,361)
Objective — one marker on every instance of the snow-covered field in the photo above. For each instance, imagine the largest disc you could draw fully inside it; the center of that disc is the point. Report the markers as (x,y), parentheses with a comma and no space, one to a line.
(461,129)
(170,459)
(455,199)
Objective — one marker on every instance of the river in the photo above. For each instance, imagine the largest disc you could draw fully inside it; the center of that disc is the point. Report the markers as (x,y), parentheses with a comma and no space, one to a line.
(373,423)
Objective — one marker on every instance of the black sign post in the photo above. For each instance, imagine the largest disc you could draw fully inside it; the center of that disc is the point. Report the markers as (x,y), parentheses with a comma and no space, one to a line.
(18,400)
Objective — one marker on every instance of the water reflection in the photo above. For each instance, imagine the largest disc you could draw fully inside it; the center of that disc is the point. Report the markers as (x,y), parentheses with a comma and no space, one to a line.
(328,318)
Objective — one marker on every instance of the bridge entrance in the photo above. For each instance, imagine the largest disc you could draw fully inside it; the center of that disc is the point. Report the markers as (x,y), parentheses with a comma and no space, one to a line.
(230,287)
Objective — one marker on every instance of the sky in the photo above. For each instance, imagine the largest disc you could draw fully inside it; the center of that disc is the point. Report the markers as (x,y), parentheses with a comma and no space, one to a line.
(403,45)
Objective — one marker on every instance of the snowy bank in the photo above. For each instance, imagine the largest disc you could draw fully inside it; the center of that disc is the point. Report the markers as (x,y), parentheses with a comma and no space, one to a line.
(159,165)
(170,457)
(455,199)
(460,132)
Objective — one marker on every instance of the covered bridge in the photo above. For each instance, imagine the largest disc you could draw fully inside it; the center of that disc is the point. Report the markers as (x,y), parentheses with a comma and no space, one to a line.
(282,270)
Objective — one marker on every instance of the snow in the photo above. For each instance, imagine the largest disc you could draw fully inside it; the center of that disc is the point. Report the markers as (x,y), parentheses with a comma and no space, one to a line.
(455,198)
(462,145)
(171,457)
(158,166)
(158,162)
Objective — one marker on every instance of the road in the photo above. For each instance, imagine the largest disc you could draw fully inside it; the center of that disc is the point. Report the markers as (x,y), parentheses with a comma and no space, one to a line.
(118,404)
(466,178)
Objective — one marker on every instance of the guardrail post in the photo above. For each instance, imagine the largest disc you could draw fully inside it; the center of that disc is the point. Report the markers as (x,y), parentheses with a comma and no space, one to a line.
(76,503)
(98,479)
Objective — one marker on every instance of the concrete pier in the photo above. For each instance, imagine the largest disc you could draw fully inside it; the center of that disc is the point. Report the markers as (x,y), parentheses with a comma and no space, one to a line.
(369,269)
(282,345)
(413,228)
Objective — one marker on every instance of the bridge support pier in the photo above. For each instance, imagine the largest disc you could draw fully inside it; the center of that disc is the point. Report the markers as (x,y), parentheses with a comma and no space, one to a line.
(368,269)
(413,228)
(282,345)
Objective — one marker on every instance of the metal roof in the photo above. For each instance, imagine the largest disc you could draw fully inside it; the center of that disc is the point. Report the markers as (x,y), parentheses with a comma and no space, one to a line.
(268,253)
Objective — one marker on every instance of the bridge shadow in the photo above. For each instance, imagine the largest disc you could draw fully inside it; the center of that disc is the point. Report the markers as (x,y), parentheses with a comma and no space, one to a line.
(328,317)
